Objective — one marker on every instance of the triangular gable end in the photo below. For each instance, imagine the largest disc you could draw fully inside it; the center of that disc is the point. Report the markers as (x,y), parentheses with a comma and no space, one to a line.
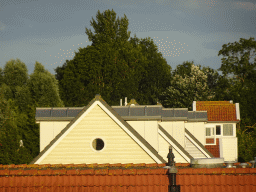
(98,101)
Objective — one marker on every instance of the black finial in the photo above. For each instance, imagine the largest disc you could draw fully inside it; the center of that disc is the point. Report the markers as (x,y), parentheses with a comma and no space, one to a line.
(171,157)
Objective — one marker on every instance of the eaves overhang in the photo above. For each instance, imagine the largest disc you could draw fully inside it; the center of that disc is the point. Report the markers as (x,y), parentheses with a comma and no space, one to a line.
(54,118)
(223,121)
(141,118)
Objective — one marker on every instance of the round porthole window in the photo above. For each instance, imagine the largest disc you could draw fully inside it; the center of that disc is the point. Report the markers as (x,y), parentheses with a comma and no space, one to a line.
(98,144)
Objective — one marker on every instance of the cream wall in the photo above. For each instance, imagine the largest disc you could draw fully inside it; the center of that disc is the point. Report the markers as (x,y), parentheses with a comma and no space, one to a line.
(49,130)
(77,148)
(197,129)
(139,126)
(176,130)
(228,148)
(164,150)
(148,130)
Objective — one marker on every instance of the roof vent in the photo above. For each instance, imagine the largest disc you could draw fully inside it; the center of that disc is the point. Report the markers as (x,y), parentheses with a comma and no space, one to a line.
(231,101)
(133,102)
(158,103)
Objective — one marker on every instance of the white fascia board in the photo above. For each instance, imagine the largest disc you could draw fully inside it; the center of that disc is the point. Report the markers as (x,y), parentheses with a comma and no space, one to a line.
(174,146)
(237,111)
(192,141)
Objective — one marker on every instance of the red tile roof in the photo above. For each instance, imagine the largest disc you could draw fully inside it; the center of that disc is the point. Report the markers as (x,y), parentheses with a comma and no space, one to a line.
(124,177)
(218,110)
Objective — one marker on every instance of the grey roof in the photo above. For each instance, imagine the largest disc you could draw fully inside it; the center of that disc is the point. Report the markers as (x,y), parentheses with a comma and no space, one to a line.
(139,112)
(81,111)
(197,115)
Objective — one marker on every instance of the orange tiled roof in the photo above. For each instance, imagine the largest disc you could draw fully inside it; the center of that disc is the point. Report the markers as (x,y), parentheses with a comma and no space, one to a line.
(218,110)
(130,177)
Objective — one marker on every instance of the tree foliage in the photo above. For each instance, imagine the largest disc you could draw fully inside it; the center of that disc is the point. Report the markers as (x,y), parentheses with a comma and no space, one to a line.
(44,88)
(108,29)
(19,98)
(237,64)
(184,90)
(154,73)
(236,59)
(15,74)
(11,152)
(113,66)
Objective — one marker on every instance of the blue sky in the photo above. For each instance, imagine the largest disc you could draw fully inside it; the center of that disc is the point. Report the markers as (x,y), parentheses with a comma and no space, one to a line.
(49,31)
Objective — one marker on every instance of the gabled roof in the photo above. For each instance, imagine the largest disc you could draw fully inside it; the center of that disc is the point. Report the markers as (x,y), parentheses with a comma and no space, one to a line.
(118,119)
(219,110)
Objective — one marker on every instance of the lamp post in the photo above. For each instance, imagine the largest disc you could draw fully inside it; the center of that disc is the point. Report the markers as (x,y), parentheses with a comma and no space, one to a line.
(172,170)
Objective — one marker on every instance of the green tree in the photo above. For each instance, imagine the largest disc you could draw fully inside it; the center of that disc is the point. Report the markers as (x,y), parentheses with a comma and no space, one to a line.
(23,98)
(1,76)
(99,69)
(183,91)
(16,99)
(108,29)
(237,65)
(184,69)
(236,59)
(6,91)
(112,66)
(11,150)
(154,72)
(246,144)
(43,88)
(15,74)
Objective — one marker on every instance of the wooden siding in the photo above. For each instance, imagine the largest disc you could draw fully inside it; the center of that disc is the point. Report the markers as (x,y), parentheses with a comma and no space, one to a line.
(76,146)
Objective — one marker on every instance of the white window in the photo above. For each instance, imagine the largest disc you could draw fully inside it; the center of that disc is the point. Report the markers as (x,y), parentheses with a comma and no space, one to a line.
(209,131)
(227,129)
(210,136)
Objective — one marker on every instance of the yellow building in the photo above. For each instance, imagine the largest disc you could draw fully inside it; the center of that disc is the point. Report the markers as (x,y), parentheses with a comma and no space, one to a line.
(99,133)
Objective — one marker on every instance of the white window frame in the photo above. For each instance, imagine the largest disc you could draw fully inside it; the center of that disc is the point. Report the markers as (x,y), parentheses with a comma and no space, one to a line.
(221,132)
(234,134)
(212,136)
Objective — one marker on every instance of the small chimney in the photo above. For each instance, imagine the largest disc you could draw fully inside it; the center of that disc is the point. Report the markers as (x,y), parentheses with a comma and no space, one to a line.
(194,106)
(125,101)
(231,101)
(121,102)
